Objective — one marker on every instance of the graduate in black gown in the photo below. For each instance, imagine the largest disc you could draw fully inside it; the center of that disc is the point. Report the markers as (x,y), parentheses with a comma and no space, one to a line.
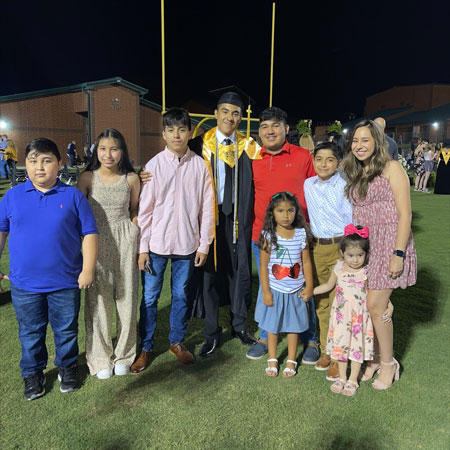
(442,185)
(226,276)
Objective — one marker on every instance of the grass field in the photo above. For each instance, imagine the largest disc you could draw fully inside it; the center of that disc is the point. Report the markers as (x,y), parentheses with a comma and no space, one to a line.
(227,402)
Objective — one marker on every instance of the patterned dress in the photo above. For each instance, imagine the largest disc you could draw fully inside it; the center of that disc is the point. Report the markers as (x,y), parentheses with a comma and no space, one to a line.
(379,213)
(116,279)
(350,333)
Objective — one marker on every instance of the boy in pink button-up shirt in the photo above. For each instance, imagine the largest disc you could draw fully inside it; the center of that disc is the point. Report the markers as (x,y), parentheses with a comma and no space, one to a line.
(176,219)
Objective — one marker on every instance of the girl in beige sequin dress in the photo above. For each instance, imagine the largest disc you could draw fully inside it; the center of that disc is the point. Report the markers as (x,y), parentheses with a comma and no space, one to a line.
(112,188)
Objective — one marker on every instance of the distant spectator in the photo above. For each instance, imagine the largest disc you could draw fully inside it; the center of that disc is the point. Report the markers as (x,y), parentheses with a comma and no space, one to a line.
(393,148)
(72,152)
(442,185)
(428,164)
(3,164)
(11,159)
(419,164)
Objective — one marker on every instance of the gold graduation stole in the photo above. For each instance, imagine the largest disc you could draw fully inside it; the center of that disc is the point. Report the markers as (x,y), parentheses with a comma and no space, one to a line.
(227,152)
(445,155)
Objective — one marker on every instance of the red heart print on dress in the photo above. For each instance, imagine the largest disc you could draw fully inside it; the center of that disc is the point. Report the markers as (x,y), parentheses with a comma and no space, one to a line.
(280,272)
(294,271)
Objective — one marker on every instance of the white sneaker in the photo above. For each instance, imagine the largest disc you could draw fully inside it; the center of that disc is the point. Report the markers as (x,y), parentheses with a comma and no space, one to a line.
(121,369)
(104,374)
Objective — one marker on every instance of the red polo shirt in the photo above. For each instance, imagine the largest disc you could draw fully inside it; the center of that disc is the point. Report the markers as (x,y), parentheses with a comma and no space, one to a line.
(285,171)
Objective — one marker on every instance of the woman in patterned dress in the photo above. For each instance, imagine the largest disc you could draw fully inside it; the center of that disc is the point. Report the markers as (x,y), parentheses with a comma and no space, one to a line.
(379,189)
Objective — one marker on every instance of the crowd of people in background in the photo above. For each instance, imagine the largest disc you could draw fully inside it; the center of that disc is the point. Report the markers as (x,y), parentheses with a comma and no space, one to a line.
(328,223)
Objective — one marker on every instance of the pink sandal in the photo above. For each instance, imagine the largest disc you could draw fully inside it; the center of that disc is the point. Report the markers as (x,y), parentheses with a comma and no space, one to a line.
(337,386)
(350,388)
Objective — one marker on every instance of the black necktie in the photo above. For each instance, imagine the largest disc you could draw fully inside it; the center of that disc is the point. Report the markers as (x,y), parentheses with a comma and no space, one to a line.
(227,205)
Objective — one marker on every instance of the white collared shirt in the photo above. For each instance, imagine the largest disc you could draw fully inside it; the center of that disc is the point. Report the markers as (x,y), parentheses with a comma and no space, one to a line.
(329,209)
(221,165)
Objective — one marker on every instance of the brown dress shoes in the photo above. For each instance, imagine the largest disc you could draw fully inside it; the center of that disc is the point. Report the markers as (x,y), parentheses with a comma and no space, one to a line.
(142,362)
(182,353)
(333,371)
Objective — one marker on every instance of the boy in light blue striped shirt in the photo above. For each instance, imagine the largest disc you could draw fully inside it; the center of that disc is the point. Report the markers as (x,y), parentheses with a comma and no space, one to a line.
(329,212)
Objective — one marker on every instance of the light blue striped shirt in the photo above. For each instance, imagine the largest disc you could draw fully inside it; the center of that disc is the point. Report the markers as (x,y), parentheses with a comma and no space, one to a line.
(328,209)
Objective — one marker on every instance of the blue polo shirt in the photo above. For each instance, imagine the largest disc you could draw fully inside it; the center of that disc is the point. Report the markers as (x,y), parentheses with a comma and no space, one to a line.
(45,231)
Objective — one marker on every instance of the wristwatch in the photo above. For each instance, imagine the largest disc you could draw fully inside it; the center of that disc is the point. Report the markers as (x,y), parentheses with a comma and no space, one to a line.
(400,253)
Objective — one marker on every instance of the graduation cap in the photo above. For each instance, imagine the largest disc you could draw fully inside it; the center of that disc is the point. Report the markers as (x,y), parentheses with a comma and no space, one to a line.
(232,95)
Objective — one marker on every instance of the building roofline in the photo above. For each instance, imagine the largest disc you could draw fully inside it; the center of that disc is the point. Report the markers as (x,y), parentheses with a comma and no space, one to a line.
(74,88)
(409,85)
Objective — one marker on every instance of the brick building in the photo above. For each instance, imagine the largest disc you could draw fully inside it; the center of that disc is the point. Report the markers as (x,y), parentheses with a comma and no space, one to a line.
(81,112)
(411,111)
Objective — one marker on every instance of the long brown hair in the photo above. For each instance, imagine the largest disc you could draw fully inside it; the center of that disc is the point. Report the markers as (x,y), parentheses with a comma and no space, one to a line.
(357,179)
(268,236)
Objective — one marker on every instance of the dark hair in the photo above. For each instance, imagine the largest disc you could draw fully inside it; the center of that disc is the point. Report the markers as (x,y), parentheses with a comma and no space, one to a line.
(43,145)
(355,240)
(4,135)
(176,116)
(357,178)
(273,113)
(268,237)
(124,165)
(329,146)
(339,140)
(293,137)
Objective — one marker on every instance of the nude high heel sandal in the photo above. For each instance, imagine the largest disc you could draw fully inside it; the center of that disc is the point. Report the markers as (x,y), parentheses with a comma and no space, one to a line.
(379,385)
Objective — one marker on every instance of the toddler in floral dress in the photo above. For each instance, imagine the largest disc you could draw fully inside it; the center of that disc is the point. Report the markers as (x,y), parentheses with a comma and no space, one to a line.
(350,332)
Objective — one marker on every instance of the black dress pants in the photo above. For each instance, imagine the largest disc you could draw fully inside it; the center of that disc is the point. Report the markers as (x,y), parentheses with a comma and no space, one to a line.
(223,287)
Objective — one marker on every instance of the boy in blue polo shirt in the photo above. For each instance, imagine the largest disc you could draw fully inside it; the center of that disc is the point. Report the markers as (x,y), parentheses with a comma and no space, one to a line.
(47,221)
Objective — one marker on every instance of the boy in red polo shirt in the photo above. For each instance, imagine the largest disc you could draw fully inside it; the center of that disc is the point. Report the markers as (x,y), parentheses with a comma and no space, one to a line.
(283,167)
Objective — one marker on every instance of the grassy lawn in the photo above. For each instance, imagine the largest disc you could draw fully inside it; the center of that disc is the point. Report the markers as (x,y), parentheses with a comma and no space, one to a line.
(228,403)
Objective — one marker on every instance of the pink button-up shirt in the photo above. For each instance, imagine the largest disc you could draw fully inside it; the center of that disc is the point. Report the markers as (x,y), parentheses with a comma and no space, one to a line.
(176,207)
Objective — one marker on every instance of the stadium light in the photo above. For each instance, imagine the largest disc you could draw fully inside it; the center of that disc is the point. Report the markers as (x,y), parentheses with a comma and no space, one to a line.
(345,130)
(3,125)
(435,125)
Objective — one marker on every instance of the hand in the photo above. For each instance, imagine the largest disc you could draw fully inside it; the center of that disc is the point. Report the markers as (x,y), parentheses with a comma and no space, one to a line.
(143,258)
(144,176)
(306,293)
(200,259)
(387,315)
(3,276)
(395,266)
(86,279)
(268,298)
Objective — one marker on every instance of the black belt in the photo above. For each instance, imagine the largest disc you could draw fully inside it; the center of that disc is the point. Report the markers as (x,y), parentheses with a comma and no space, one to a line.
(328,241)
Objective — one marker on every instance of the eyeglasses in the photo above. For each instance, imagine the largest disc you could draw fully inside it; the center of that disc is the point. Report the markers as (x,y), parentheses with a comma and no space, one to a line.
(289,194)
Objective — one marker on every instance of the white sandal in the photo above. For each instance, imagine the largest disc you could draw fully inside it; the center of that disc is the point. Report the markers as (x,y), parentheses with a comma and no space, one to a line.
(272,371)
(288,372)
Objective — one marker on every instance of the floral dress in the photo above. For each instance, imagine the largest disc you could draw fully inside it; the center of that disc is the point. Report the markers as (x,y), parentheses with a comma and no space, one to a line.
(350,334)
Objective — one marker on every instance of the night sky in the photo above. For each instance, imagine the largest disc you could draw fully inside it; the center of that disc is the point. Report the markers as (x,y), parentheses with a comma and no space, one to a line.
(328,56)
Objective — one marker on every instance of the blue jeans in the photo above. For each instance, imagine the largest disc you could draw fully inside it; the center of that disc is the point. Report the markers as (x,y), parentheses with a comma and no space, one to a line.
(34,310)
(4,168)
(310,334)
(152,286)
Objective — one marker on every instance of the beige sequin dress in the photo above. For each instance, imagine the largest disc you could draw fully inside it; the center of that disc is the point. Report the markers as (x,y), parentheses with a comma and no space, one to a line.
(116,279)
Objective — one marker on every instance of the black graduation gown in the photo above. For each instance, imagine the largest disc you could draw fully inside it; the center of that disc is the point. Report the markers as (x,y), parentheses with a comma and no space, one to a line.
(232,285)
(442,185)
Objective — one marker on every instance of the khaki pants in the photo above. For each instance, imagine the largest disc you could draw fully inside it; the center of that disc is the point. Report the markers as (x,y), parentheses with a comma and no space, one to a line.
(324,259)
